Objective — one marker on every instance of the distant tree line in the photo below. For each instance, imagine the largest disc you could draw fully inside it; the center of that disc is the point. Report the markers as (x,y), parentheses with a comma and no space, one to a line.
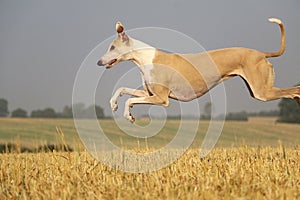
(236,116)
(3,108)
(289,112)
(243,115)
(271,113)
(80,111)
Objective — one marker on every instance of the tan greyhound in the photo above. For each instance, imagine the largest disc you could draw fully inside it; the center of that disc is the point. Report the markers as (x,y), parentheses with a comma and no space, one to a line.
(185,77)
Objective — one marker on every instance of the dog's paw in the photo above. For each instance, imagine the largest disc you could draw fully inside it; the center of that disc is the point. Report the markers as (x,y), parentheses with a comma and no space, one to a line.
(113,105)
(129,117)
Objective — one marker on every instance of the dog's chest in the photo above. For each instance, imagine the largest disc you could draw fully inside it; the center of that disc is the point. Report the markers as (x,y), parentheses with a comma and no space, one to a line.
(147,73)
(148,77)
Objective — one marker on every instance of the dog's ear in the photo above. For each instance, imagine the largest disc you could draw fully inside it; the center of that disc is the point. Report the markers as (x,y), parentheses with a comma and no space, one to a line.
(119,27)
(121,32)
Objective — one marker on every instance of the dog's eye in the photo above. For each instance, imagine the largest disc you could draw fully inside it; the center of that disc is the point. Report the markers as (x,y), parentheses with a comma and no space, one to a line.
(112,48)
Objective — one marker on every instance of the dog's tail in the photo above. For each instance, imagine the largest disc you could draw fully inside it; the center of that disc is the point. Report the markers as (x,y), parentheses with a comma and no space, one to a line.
(282,47)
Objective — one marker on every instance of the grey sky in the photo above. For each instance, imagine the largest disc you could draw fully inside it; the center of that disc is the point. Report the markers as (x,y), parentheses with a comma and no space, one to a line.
(43,43)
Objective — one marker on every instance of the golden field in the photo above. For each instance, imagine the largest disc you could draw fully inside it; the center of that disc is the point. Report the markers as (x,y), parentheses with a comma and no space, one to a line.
(226,173)
(252,160)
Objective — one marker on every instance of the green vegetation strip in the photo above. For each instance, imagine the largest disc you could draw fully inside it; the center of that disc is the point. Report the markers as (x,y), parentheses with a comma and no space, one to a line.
(32,133)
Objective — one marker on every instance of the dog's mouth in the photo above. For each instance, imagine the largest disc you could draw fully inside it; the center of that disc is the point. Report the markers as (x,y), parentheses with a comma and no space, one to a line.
(111,63)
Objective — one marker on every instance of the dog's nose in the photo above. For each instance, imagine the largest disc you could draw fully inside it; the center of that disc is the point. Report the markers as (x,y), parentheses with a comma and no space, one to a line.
(100,63)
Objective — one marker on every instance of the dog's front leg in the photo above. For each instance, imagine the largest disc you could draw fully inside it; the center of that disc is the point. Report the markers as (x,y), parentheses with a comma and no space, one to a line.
(155,100)
(123,90)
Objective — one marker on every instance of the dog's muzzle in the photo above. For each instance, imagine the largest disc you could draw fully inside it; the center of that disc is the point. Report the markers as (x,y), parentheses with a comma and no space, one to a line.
(108,65)
(100,63)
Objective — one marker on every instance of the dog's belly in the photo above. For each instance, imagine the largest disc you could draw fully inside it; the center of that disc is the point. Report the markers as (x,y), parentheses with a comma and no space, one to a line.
(186,96)
(185,91)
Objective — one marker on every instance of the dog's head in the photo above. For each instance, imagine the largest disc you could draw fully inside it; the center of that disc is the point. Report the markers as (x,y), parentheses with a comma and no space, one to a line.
(118,50)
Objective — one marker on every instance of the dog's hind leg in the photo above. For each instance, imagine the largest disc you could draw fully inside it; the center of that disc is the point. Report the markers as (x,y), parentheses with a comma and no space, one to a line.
(260,79)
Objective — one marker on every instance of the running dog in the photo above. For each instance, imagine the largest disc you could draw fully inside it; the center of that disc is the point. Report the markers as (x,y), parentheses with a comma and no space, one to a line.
(185,77)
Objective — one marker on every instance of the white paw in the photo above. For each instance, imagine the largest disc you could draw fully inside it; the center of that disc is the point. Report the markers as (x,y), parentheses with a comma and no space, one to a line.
(129,117)
(113,105)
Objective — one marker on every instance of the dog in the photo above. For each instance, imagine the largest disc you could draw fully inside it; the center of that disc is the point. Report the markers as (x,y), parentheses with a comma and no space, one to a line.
(185,77)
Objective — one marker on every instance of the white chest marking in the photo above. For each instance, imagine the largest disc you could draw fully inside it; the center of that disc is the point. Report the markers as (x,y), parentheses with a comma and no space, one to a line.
(147,73)
(143,55)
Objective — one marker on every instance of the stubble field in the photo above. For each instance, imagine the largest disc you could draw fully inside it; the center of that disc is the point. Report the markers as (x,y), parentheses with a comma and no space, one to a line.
(253,160)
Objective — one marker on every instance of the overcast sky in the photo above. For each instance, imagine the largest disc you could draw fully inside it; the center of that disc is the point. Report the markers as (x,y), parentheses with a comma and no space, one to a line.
(43,43)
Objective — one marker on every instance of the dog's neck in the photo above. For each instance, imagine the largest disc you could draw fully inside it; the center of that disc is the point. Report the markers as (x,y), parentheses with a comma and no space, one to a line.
(142,54)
